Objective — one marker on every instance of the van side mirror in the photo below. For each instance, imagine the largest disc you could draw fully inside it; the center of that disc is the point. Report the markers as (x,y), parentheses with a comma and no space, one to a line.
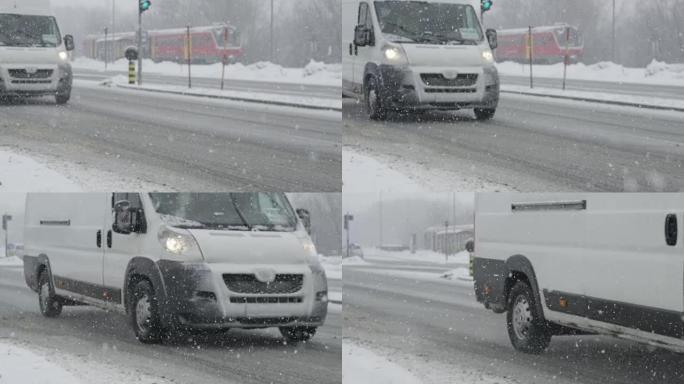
(128,219)
(470,246)
(492,38)
(69,43)
(362,36)
(305,217)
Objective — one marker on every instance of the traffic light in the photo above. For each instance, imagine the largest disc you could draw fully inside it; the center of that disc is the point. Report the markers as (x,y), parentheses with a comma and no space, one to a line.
(145,5)
(487,5)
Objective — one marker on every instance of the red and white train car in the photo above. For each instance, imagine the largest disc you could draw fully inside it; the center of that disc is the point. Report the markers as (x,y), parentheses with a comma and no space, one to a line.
(207,45)
(549,44)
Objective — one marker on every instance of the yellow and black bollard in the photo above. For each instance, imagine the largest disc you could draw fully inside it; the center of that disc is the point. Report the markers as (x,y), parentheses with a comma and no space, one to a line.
(131,72)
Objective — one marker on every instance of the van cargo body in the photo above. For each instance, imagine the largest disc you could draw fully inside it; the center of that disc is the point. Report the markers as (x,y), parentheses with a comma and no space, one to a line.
(582,263)
(34,57)
(200,261)
(408,55)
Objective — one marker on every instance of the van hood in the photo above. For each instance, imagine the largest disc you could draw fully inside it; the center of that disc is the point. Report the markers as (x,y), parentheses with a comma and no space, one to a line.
(250,247)
(28,56)
(430,55)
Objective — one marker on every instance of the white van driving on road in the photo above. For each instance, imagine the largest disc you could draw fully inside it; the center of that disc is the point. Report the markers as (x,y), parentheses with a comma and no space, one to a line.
(409,55)
(34,58)
(559,264)
(177,260)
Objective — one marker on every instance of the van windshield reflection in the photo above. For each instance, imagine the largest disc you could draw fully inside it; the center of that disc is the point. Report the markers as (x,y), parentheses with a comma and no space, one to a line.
(226,211)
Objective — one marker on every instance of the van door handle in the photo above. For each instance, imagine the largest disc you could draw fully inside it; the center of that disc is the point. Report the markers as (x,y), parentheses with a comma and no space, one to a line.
(109,239)
(351,49)
(671,230)
(98,239)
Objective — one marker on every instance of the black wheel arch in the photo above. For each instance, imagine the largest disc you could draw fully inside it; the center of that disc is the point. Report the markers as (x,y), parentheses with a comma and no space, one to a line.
(34,266)
(371,70)
(520,269)
(143,268)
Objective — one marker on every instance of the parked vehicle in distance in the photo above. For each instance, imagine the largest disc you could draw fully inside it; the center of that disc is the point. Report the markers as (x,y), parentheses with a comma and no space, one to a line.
(550,45)
(397,61)
(34,58)
(560,264)
(173,261)
(355,250)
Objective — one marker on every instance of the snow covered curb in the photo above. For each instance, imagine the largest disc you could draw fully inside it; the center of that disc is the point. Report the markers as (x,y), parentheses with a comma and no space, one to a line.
(251,97)
(599,97)
(19,365)
(12,261)
(360,364)
(314,73)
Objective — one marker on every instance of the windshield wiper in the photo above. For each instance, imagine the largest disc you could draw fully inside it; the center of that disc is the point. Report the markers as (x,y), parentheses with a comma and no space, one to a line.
(239,212)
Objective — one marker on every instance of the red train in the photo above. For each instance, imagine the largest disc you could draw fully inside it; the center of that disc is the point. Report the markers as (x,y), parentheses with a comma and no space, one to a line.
(548,43)
(208,44)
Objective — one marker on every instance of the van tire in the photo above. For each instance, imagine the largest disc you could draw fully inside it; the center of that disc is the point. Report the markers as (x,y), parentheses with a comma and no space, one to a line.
(62,99)
(297,334)
(483,114)
(49,304)
(374,103)
(144,313)
(527,328)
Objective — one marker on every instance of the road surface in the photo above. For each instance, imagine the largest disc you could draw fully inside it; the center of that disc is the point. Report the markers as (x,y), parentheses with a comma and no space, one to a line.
(435,328)
(534,144)
(181,143)
(238,356)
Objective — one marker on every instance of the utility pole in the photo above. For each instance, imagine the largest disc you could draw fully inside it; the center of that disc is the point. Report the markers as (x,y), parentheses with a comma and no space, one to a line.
(446,242)
(380,219)
(113,29)
(5,220)
(140,50)
(347,218)
(272,33)
(106,50)
(613,45)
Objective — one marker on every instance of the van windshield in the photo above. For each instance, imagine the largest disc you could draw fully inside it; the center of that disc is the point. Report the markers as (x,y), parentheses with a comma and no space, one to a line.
(28,31)
(226,211)
(429,23)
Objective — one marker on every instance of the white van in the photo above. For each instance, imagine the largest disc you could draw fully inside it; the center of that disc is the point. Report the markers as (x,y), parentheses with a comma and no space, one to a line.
(34,58)
(418,55)
(560,264)
(177,260)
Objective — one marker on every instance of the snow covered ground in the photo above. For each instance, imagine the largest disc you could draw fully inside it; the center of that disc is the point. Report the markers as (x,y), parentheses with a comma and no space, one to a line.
(656,73)
(362,173)
(421,255)
(21,172)
(315,73)
(261,97)
(360,364)
(603,97)
(21,364)
(11,261)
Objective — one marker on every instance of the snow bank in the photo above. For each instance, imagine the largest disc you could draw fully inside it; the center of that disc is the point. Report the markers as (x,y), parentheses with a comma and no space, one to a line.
(11,261)
(354,260)
(361,365)
(314,73)
(21,366)
(656,73)
(421,255)
(332,266)
(458,274)
(601,97)
(261,97)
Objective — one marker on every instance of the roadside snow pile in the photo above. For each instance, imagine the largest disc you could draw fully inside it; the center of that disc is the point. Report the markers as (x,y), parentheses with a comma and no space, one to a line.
(354,260)
(458,274)
(314,73)
(246,96)
(421,255)
(361,174)
(359,365)
(332,266)
(657,73)
(21,366)
(11,261)
(19,173)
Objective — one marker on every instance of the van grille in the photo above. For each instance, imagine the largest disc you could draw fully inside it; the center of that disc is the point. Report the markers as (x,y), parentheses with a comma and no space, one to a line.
(438,80)
(248,283)
(266,300)
(451,90)
(23,74)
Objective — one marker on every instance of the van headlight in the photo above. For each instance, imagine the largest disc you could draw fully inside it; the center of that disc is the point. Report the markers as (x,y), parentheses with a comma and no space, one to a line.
(488,56)
(395,54)
(63,56)
(178,242)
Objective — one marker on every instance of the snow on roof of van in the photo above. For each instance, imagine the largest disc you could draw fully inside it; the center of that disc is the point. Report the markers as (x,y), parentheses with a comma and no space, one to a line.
(26,7)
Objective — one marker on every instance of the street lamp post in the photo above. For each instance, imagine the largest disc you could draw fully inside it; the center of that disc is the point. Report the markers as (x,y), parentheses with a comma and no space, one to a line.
(613,45)
(272,33)
(5,220)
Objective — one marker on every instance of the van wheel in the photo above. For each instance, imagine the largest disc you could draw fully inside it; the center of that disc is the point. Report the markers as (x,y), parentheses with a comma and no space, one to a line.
(526,328)
(62,99)
(376,110)
(144,314)
(484,114)
(50,305)
(297,334)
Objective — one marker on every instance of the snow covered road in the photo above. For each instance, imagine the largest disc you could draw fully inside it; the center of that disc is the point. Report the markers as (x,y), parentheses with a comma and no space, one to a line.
(180,143)
(434,329)
(85,339)
(533,144)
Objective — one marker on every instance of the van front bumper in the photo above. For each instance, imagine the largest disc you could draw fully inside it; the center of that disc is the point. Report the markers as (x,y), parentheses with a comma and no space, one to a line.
(35,80)
(430,88)
(198,296)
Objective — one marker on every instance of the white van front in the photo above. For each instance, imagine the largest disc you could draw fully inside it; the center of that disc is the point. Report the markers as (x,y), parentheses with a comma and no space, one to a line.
(34,57)
(418,55)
